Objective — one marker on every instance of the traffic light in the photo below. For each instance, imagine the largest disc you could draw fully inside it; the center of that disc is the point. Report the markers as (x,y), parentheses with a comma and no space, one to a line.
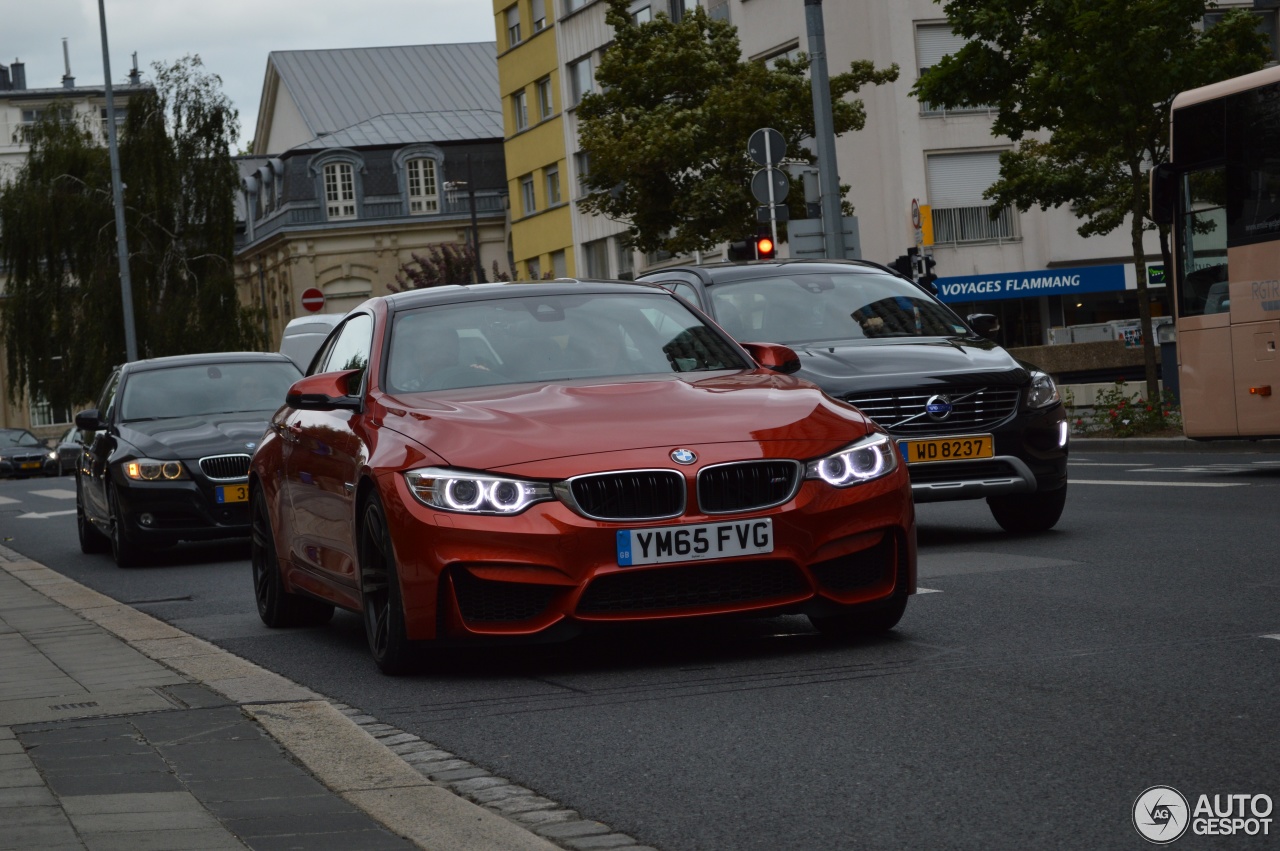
(765,249)
(929,278)
(742,250)
(903,266)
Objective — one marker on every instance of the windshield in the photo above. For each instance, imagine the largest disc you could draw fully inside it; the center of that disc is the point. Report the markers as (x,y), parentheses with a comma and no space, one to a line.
(807,308)
(550,338)
(17,437)
(199,390)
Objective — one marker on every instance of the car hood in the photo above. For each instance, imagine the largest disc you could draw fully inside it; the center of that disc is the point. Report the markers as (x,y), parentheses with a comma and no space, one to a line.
(493,427)
(197,437)
(843,368)
(10,451)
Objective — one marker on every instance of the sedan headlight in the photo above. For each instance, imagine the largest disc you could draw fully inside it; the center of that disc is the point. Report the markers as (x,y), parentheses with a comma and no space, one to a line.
(870,458)
(150,470)
(1043,391)
(474,493)
(53,455)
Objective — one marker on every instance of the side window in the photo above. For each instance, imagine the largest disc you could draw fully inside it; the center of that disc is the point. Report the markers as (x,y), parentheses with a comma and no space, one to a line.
(1202,265)
(107,399)
(350,348)
(685,291)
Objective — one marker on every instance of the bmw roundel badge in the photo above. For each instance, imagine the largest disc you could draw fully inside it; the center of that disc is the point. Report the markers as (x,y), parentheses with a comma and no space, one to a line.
(683,456)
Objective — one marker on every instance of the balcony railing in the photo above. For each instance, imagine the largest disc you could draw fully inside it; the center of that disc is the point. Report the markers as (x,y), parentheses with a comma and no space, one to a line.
(955,225)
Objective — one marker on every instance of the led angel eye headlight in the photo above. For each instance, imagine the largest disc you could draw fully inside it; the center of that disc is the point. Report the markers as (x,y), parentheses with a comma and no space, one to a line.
(471,493)
(868,459)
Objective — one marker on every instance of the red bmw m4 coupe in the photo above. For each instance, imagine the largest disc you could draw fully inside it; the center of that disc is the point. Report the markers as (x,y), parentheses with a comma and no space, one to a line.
(529,460)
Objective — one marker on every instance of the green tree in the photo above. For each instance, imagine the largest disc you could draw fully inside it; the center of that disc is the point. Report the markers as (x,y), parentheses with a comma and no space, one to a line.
(1084,87)
(63,319)
(667,131)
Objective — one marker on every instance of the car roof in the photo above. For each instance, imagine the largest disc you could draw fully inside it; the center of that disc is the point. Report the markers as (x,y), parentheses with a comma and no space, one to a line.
(715,272)
(206,358)
(453,293)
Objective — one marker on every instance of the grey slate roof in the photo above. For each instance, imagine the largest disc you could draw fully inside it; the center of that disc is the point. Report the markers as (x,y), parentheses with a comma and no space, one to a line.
(403,128)
(338,89)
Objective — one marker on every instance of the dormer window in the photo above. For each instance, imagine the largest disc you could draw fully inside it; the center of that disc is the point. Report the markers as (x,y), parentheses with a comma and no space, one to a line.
(424,193)
(339,191)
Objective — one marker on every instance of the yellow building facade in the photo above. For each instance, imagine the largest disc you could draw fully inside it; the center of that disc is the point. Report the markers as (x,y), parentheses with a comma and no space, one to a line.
(534,146)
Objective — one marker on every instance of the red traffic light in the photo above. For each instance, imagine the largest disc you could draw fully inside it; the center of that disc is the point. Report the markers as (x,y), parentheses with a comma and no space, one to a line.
(764,248)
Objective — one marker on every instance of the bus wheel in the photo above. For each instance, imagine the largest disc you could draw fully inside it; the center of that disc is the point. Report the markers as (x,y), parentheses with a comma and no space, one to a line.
(1028,513)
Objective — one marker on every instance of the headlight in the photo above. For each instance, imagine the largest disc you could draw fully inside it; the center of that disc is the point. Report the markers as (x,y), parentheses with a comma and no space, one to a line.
(150,470)
(474,493)
(870,458)
(1043,391)
(53,455)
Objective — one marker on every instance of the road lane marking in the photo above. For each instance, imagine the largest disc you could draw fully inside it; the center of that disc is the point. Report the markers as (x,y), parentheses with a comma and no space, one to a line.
(1276,637)
(1100,464)
(32,515)
(1162,484)
(8,500)
(56,493)
(920,590)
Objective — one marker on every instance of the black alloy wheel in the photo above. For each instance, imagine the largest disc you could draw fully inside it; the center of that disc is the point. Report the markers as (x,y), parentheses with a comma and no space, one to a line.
(123,549)
(866,620)
(91,540)
(277,607)
(1028,513)
(380,593)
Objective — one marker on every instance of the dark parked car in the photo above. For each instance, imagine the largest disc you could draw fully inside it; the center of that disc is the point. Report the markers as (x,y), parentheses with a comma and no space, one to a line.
(66,454)
(168,450)
(971,421)
(531,460)
(23,454)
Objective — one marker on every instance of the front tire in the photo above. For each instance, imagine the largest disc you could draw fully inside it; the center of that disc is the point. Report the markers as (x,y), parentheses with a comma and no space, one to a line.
(123,549)
(864,621)
(380,593)
(277,607)
(1028,513)
(91,540)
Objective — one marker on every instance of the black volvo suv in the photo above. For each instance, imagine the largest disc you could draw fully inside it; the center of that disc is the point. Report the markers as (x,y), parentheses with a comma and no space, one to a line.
(970,420)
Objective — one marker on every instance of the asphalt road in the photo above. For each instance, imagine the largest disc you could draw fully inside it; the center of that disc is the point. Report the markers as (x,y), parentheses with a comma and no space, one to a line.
(1026,702)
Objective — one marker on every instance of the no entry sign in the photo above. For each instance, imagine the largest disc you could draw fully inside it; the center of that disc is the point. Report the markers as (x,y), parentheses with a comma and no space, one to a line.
(312,299)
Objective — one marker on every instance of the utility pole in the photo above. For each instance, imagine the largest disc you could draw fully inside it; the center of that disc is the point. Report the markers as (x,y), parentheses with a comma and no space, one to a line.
(475,226)
(824,131)
(117,196)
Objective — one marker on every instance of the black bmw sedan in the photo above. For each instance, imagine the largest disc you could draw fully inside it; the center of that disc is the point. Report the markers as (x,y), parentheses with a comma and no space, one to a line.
(168,449)
(970,421)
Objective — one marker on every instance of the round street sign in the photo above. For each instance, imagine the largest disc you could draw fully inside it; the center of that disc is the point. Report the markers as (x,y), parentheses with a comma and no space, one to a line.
(915,213)
(760,185)
(312,299)
(777,147)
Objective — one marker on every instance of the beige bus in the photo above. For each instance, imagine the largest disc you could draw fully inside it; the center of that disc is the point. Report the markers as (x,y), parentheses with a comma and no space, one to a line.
(1220,192)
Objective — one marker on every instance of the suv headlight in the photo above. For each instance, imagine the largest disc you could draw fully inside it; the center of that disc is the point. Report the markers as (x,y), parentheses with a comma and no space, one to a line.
(1043,391)
(474,493)
(870,458)
(150,470)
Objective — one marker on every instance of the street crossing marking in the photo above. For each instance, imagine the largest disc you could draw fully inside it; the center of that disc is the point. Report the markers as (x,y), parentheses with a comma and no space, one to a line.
(8,500)
(32,515)
(1276,637)
(1162,484)
(56,493)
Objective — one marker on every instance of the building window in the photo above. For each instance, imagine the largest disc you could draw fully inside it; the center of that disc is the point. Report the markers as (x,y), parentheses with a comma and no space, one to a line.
(581,81)
(120,117)
(539,9)
(520,109)
(626,261)
(340,191)
(582,165)
(792,53)
(933,42)
(559,266)
(513,25)
(424,193)
(44,414)
(553,186)
(534,268)
(960,213)
(718,10)
(596,254)
(546,106)
(642,14)
(574,5)
(527,195)
(1266,19)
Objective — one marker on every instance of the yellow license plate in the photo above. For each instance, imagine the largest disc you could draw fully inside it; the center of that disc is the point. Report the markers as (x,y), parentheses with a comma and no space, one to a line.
(30,465)
(232,493)
(947,448)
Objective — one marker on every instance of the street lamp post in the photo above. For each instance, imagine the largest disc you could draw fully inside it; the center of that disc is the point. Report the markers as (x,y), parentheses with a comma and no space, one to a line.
(117,196)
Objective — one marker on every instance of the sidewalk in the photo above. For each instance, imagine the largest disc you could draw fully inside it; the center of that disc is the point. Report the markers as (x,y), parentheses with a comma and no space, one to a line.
(1170,444)
(121,733)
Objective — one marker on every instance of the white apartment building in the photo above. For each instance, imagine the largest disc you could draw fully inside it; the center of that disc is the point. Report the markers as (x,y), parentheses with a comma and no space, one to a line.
(907,152)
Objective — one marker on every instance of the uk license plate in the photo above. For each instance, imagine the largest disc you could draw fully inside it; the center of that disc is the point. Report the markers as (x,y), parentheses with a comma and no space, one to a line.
(695,542)
(232,493)
(947,448)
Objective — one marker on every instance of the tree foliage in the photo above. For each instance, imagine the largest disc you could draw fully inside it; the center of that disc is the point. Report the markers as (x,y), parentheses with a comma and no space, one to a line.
(1084,87)
(667,131)
(63,318)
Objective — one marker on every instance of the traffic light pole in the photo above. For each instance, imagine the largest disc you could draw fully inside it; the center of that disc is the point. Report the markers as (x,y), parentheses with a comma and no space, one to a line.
(824,131)
(773,210)
(117,196)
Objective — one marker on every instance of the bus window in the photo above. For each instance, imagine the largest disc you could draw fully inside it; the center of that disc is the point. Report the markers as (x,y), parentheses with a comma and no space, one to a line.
(1203,260)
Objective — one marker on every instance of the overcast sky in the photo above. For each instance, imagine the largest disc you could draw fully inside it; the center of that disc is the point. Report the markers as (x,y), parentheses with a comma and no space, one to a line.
(233,37)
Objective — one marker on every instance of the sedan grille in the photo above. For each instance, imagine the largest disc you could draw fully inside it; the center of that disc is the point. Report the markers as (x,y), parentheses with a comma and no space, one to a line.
(630,495)
(747,485)
(692,586)
(905,413)
(225,468)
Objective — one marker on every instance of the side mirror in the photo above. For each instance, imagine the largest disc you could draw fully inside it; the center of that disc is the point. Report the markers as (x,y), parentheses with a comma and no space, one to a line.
(327,391)
(985,324)
(1164,193)
(88,420)
(774,357)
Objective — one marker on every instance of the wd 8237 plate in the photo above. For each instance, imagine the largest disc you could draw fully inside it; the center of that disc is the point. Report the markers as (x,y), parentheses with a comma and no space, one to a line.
(965,448)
